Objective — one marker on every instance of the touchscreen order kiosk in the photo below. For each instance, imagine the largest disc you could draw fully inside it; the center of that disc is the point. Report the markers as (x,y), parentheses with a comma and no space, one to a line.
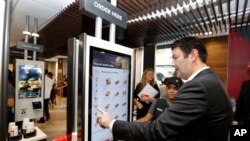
(29,89)
(108,85)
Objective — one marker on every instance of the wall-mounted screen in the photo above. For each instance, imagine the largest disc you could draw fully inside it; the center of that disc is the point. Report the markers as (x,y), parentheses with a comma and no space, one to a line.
(109,85)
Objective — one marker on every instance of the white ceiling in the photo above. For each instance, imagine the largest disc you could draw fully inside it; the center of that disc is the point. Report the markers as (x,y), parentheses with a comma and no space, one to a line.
(43,10)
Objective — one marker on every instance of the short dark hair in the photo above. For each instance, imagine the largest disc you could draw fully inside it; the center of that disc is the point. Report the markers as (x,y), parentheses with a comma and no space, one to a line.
(46,71)
(187,44)
(50,74)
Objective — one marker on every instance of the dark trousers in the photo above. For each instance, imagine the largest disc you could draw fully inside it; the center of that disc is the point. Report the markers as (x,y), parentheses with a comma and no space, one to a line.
(10,116)
(46,110)
(52,96)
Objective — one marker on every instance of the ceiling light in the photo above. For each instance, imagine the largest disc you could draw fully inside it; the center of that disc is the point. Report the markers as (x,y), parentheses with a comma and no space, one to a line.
(140,18)
(144,17)
(26,33)
(158,13)
(153,14)
(35,34)
(163,12)
(149,16)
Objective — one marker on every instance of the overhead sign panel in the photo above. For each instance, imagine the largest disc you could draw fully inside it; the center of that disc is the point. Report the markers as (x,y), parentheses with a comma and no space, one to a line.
(105,10)
(29,46)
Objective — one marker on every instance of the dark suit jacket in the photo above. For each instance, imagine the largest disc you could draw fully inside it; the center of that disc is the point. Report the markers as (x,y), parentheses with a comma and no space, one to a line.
(201,112)
(242,113)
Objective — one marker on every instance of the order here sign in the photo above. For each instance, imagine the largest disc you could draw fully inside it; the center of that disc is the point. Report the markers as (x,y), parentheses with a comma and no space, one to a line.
(105,10)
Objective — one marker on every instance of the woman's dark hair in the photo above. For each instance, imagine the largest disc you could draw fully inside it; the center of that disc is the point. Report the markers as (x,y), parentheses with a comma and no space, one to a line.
(187,44)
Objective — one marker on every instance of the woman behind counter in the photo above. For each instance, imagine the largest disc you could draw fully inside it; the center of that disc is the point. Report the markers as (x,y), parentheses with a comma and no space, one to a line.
(144,103)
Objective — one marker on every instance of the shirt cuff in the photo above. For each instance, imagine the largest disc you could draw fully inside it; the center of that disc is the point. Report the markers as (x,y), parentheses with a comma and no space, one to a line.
(111,124)
(235,123)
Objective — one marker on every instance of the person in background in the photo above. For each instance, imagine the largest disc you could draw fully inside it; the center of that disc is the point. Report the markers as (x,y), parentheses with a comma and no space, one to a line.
(163,88)
(242,113)
(143,103)
(201,110)
(173,85)
(47,91)
(10,98)
(65,85)
(53,91)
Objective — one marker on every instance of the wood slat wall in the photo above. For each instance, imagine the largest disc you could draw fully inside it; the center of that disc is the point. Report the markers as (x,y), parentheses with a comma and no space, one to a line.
(217,56)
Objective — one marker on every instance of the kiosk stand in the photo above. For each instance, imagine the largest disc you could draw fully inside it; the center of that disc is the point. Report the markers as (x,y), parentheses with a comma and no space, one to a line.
(29,90)
(29,79)
(102,75)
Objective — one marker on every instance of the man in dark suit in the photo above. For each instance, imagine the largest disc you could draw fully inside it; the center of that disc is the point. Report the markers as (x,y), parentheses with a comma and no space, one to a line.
(201,110)
(242,113)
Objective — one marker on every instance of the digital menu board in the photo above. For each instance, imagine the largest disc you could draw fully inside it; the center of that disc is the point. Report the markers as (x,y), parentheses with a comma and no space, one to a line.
(109,89)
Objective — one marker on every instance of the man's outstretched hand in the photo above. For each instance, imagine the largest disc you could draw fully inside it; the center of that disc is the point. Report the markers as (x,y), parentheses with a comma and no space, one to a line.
(103,119)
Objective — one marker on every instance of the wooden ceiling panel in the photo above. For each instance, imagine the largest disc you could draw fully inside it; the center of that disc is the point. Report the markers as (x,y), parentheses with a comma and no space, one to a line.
(198,19)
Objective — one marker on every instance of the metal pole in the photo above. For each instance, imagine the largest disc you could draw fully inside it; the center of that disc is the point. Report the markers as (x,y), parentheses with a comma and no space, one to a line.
(4,60)
(74,66)
(35,37)
(76,83)
(26,36)
(112,26)
(98,27)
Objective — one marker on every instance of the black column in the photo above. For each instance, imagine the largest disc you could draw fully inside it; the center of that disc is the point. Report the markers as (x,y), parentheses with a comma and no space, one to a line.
(70,85)
(149,57)
(88,25)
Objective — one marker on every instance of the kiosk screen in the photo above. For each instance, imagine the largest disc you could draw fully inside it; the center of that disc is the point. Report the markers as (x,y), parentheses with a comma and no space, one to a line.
(109,88)
(29,81)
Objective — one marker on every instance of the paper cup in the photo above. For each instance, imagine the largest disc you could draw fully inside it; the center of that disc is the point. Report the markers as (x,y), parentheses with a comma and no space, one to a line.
(10,125)
(13,131)
(31,127)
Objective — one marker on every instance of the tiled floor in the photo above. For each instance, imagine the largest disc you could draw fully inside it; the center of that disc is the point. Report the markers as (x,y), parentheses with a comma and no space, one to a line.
(56,126)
